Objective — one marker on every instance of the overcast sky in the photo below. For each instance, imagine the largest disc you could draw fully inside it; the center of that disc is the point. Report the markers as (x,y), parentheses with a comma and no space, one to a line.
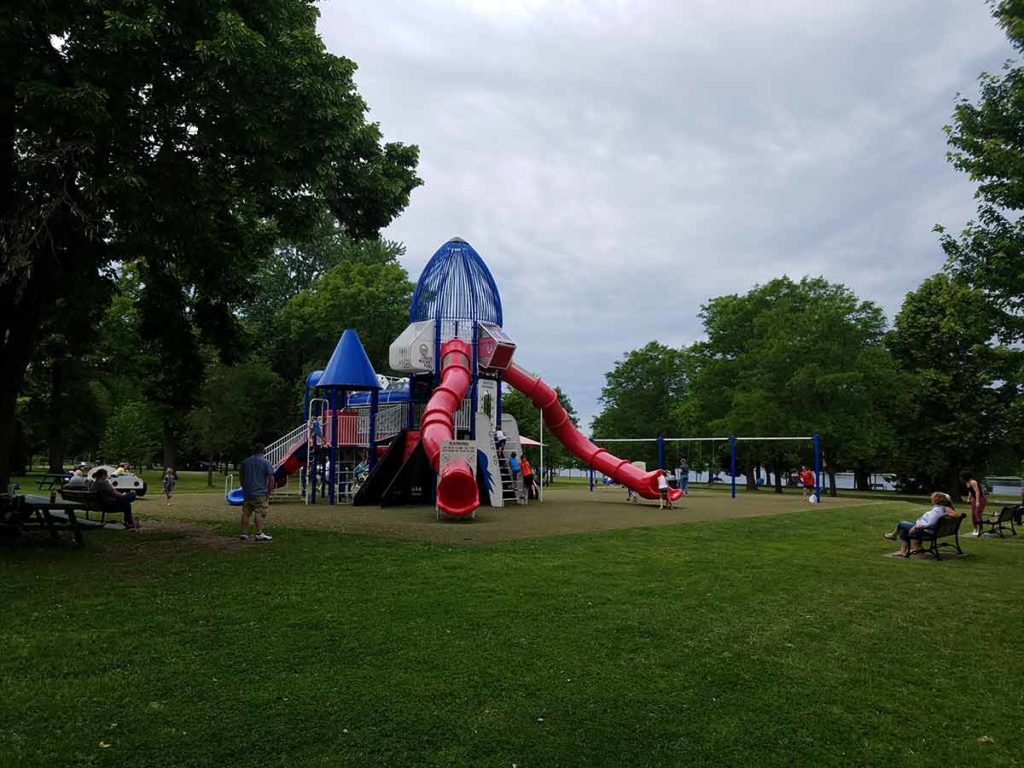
(617,164)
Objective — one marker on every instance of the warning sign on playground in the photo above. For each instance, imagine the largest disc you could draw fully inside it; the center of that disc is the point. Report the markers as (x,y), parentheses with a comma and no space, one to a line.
(453,450)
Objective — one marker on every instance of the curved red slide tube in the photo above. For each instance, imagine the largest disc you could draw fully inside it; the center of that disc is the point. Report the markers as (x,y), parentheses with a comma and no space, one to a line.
(456,486)
(557,420)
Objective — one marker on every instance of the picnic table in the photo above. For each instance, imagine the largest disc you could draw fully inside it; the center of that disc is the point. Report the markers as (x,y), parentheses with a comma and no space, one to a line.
(49,480)
(32,512)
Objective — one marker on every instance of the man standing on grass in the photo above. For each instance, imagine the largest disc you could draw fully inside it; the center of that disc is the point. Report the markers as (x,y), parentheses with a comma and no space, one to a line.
(683,476)
(257,483)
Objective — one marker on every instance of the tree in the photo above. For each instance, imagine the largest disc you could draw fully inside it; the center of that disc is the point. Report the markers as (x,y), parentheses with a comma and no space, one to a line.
(793,358)
(641,398)
(296,265)
(132,434)
(961,386)
(186,138)
(987,143)
(240,404)
(372,298)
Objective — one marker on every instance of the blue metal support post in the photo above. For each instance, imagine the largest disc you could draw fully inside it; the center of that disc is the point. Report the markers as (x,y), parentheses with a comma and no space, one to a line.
(816,441)
(732,462)
(661,452)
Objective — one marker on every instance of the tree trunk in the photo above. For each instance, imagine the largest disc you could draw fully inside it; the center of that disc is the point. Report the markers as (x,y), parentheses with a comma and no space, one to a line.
(170,445)
(862,476)
(751,474)
(778,473)
(209,471)
(56,427)
(8,402)
(20,317)
(829,469)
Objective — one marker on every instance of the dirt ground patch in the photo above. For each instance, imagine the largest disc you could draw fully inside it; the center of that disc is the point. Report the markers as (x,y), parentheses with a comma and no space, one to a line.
(564,511)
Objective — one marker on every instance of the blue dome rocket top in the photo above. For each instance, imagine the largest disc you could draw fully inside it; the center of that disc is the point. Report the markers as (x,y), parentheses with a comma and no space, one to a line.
(349,366)
(456,285)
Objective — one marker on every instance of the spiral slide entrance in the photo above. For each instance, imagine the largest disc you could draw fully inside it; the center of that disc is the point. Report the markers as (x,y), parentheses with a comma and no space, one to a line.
(456,485)
(557,420)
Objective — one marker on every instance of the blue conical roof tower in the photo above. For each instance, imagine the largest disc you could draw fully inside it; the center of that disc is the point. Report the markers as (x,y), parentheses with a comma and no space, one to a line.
(349,366)
(456,285)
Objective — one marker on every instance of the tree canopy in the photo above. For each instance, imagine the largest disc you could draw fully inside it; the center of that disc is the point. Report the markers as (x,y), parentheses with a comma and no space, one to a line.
(986,142)
(187,139)
(640,396)
(961,388)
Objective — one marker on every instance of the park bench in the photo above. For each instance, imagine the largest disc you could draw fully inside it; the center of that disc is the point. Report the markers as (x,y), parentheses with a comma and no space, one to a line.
(90,501)
(946,527)
(997,523)
(49,480)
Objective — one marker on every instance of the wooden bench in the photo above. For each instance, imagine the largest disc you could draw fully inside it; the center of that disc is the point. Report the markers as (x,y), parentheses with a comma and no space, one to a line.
(997,523)
(90,501)
(946,527)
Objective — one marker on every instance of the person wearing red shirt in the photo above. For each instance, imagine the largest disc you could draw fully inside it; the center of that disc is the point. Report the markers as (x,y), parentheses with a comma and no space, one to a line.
(807,481)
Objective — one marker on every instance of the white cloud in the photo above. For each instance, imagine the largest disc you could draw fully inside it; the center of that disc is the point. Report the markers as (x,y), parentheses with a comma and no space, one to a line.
(619,163)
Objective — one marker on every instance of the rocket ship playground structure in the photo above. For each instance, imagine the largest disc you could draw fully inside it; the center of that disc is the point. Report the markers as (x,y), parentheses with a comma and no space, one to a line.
(433,429)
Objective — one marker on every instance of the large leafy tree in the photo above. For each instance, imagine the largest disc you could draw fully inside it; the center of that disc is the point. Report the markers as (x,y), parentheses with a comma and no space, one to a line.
(240,404)
(297,264)
(793,358)
(185,137)
(641,398)
(987,142)
(961,386)
(372,298)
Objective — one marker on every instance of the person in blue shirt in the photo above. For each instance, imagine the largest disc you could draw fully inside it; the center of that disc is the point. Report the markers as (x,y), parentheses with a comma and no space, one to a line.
(683,476)
(257,483)
(517,475)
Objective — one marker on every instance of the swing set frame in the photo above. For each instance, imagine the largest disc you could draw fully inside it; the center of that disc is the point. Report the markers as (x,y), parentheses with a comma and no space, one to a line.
(732,440)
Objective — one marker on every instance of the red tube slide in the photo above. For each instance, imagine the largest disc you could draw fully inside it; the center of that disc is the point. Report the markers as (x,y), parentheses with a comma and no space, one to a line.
(456,486)
(555,417)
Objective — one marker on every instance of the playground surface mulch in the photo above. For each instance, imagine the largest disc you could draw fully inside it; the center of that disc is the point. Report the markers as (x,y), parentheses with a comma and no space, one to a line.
(564,511)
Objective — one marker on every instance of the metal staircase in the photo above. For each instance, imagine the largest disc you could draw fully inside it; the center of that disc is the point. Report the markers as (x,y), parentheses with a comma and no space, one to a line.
(508,489)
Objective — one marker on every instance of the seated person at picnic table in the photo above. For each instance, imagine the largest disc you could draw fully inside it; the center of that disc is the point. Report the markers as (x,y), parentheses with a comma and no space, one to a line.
(942,506)
(113,500)
(78,481)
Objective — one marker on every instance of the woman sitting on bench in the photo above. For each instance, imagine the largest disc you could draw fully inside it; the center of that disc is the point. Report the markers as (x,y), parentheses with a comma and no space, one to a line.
(942,505)
(112,500)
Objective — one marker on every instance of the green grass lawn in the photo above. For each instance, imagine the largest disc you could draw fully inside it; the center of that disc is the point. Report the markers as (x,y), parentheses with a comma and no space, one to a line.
(774,641)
